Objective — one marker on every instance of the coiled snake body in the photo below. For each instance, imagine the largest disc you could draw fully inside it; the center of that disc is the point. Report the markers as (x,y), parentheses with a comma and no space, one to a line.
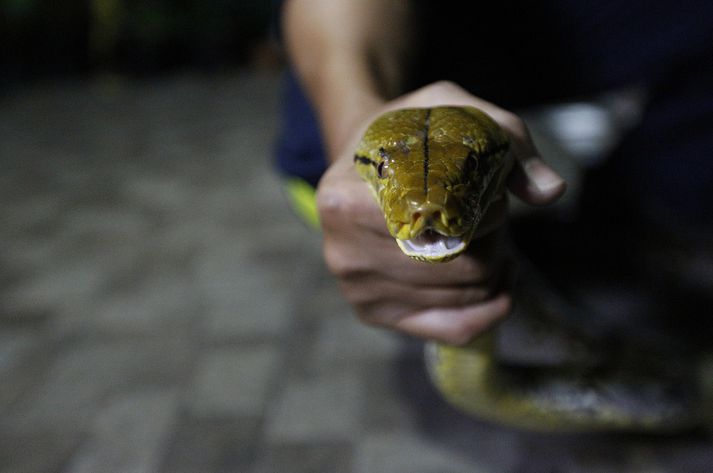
(435,172)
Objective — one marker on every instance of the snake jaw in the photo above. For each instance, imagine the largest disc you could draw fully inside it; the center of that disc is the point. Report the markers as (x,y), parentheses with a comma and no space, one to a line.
(436,250)
(433,246)
(428,232)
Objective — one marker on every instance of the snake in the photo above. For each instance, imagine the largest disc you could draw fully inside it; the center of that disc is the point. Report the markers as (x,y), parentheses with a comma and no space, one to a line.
(435,172)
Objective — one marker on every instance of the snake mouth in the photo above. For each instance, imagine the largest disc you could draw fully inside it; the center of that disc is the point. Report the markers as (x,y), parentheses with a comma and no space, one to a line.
(433,246)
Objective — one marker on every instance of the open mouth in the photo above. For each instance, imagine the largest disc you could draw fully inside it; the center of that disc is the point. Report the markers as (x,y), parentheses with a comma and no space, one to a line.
(432,246)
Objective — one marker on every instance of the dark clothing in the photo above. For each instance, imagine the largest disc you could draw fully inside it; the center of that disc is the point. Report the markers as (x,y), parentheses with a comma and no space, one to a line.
(300,151)
(520,54)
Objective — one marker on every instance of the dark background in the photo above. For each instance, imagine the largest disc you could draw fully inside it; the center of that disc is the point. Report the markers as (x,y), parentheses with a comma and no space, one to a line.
(45,38)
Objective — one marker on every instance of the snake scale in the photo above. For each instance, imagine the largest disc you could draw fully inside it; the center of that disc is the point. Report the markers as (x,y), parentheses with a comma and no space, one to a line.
(435,172)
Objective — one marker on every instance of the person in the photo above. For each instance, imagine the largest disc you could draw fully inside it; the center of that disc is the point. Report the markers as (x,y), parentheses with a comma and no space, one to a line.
(351,61)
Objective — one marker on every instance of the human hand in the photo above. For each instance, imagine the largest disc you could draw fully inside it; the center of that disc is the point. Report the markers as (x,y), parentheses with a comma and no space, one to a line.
(450,302)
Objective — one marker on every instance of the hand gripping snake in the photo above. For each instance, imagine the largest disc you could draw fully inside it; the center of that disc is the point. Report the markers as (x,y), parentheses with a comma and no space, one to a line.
(435,172)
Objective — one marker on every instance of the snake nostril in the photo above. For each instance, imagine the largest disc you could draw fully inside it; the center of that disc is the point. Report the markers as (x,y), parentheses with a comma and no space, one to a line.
(436,216)
(415,217)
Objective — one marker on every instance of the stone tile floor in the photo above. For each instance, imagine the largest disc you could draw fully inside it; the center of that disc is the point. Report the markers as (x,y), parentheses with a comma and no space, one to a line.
(162,311)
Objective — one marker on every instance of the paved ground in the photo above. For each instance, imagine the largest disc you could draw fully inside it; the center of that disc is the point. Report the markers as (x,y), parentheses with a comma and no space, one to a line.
(162,311)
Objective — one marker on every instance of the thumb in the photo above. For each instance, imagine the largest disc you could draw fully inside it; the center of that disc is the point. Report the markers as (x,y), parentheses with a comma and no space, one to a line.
(531,179)
(534,182)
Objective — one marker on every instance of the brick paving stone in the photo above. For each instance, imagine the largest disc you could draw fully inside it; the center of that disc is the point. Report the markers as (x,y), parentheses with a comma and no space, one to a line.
(249,311)
(322,409)
(343,340)
(25,216)
(164,194)
(239,303)
(39,451)
(385,405)
(189,232)
(399,452)
(233,382)
(22,255)
(17,348)
(86,374)
(129,434)
(324,300)
(223,202)
(331,457)
(221,261)
(75,281)
(14,346)
(158,305)
(213,445)
(108,224)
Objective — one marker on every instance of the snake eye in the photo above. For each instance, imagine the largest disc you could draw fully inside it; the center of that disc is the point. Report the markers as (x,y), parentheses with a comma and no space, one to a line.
(380,170)
(471,163)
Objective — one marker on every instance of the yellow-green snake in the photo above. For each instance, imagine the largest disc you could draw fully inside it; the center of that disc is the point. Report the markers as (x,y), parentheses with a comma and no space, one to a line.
(434,172)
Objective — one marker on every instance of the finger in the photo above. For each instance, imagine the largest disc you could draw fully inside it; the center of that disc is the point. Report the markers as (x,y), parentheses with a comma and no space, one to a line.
(456,326)
(344,200)
(355,261)
(531,179)
(534,182)
(441,93)
(375,290)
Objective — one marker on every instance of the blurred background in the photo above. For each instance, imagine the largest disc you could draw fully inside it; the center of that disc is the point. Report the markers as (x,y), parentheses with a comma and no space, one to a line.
(53,39)
(162,310)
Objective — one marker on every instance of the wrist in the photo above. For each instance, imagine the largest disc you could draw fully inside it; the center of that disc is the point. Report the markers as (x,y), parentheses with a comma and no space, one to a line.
(342,118)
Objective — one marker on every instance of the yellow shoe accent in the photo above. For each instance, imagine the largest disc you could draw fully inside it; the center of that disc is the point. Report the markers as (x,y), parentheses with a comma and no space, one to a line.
(302,197)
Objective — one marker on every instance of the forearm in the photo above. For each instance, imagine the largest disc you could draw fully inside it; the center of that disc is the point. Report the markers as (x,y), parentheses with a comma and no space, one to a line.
(350,55)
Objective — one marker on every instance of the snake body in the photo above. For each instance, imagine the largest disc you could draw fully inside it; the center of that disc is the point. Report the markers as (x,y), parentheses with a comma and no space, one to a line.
(434,173)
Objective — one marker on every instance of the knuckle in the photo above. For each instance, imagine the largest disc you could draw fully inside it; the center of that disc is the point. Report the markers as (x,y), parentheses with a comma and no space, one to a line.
(516,125)
(512,119)
(360,296)
(486,262)
(373,314)
(504,306)
(436,89)
(337,261)
(472,295)
(466,329)
(459,335)
(341,209)
(332,203)
(445,86)
(345,264)
(367,317)
(475,270)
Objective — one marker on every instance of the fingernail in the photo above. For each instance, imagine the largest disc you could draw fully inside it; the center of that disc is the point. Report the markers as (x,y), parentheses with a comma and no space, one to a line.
(541,175)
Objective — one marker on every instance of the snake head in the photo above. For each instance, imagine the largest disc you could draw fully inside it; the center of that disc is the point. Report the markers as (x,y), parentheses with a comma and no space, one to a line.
(434,173)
